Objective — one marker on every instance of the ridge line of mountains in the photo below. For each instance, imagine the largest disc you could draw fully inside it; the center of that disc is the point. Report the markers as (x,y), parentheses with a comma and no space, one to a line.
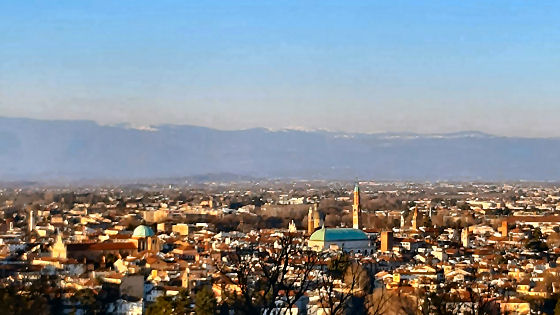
(79,150)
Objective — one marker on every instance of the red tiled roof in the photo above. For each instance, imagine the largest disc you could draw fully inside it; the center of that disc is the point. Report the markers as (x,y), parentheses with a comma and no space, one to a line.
(100,246)
(548,218)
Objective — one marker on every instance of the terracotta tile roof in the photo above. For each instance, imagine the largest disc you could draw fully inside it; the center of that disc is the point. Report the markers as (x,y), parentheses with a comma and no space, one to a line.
(100,246)
(548,218)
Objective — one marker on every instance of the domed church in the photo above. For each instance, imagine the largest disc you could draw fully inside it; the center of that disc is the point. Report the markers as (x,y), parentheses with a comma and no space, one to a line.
(145,239)
(346,239)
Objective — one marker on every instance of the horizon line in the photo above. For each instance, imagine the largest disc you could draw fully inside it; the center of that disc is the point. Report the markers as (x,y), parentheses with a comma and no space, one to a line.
(153,128)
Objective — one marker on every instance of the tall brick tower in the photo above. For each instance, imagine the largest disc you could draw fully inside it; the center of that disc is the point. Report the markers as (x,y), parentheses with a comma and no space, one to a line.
(310,227)
(386,241)
(356,211)
(314,219)
(504,229)
(416,218)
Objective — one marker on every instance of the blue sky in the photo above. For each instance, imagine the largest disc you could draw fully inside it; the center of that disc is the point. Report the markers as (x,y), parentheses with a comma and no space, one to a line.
(421,66)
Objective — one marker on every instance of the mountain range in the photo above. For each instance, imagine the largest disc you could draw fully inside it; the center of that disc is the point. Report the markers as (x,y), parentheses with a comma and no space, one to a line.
(77,150)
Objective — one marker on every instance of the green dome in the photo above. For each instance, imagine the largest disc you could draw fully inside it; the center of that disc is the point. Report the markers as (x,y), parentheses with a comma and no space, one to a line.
(143,231)
(338,234)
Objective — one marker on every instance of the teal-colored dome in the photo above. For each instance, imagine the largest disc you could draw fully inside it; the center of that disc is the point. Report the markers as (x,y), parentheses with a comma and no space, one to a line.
(338,234)
(143,231)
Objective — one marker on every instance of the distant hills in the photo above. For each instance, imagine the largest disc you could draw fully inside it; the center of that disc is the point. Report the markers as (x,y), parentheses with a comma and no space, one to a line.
(76,150)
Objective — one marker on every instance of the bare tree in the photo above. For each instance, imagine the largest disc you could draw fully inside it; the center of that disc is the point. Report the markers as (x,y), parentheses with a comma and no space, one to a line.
(269,278)
(238,272)
(446,301)
(380,302)
(287,269)
(342,280)
(480,304)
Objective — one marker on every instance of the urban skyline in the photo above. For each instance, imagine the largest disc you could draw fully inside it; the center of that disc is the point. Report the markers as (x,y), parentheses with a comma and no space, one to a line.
(279,157)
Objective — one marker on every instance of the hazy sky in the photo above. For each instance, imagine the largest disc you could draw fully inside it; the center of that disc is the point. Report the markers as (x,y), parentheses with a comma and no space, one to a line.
(422,66)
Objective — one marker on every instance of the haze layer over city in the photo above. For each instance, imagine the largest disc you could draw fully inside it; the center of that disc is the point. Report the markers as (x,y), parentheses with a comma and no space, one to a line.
(279,157)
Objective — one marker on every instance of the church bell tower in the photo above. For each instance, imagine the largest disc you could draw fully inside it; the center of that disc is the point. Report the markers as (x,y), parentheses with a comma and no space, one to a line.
(356,211)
